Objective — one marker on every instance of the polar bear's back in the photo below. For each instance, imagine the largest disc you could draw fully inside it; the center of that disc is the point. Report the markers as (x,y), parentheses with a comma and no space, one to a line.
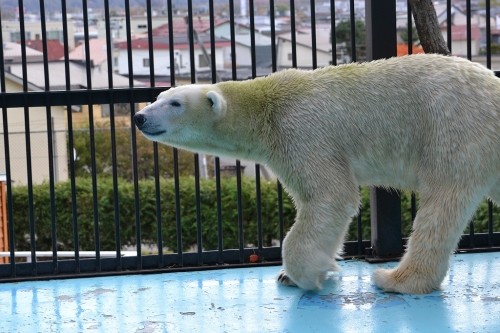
(396,114)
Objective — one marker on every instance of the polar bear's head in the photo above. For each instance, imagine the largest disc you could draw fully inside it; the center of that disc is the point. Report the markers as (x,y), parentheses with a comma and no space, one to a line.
(184,117)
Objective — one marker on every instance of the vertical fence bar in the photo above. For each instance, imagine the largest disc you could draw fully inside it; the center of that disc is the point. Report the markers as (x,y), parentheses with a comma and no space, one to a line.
(359,224)
(253,54)
(74,211)
(95,202)
(232,34)
(109,56)
(274,67)
(6,142)
(171,52)
(114,171)
(27,130)
(413,206)
(313,35)
(410,28)
(178,208)
(449,17)
(175,152)
(220,226)
(293,26)
(257,166)
(258,198)
(191,32)
(50,147)
(239,201)
(192,35)
(135,175)
(213,61)
(333,37)
(240,212)
(469,28)
(352,21)
(469,56)
(152,83)
(488,33)
(281,223)
(385,206)
(490,223)
(272,21)
(199,241)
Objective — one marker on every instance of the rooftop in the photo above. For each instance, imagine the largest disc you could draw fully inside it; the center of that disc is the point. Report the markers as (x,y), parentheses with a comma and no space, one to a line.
(78,76)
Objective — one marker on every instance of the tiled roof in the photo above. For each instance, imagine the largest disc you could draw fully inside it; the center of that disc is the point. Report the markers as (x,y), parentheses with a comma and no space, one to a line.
(97,49)
(77,72)
(13,50)
(55,50)
(180,26)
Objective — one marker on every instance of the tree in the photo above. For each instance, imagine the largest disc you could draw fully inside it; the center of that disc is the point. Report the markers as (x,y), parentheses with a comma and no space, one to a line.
(427,25)
(414,36)
(343,35)
(145,154)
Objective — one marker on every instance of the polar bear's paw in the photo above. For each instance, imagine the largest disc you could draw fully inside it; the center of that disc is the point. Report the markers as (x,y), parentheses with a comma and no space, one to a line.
(305,281)
(394,280)
(284,279)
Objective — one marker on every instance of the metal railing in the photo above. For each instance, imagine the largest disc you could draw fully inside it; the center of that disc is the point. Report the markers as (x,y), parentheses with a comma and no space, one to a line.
(21,106)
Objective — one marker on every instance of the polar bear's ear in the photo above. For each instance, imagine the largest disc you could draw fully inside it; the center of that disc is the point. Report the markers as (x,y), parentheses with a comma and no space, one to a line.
(218,102)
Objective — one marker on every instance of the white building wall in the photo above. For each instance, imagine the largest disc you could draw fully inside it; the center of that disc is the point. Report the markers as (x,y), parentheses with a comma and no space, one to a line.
(162,61)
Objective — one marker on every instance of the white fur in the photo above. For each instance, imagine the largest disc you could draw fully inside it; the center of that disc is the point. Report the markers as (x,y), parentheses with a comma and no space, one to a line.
(425,122)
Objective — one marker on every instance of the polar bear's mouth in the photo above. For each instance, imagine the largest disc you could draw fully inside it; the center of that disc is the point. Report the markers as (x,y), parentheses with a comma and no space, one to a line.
(153,133)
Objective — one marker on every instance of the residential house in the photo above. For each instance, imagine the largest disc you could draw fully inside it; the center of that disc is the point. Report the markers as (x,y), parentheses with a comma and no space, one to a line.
(141,61)
(243,45)
(12,53)
(37,135)
(304,51)
(38,122)
(55,50)
(11,31)
(97,53)
(459,29)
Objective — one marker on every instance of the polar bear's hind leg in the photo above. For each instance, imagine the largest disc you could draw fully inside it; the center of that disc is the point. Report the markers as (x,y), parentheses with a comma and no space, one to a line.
(439,223)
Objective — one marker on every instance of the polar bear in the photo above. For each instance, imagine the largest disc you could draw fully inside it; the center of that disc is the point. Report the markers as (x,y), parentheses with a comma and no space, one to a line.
(428,123)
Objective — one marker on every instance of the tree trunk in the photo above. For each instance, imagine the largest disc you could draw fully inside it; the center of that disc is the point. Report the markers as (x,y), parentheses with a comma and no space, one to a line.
(431,39)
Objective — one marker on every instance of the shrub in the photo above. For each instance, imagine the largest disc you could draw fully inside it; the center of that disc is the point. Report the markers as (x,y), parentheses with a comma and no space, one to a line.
(128,229)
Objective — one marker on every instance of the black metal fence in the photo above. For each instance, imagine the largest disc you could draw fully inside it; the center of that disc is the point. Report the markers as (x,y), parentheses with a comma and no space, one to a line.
(108,202)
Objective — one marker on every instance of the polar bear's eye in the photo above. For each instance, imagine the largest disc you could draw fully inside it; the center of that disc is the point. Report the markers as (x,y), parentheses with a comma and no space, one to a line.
(175,104)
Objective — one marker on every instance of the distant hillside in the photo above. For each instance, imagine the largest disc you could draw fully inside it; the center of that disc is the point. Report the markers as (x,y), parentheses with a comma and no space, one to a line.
(51,6)
(33,6)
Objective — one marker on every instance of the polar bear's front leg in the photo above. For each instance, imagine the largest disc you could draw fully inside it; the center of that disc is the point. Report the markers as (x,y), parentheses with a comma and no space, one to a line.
(311,245)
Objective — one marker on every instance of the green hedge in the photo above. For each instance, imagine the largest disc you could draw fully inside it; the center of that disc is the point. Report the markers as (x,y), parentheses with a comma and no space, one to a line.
(188,213)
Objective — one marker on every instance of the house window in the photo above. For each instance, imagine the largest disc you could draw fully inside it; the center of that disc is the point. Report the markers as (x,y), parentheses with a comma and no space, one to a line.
(145,62)
(204,61)
(289,56)
(55,35)
(142,26)
(15,37)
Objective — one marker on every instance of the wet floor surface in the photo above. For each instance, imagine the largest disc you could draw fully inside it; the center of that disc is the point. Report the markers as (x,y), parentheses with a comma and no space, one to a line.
(249,300)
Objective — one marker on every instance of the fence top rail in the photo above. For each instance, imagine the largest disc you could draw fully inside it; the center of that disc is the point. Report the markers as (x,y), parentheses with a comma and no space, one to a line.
(68,254)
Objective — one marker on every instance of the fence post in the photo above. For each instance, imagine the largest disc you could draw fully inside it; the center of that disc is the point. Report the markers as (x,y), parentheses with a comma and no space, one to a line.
(4,232)
(386,237)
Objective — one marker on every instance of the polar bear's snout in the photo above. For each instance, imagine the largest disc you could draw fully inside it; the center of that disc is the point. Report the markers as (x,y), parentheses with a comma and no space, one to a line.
(147,126)
(139,120)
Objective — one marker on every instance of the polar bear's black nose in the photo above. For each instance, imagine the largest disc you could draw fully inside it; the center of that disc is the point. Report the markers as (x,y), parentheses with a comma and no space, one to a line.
(139,120)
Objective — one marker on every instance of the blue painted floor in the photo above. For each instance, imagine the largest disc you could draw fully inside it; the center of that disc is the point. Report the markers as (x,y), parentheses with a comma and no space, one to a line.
(249,300)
